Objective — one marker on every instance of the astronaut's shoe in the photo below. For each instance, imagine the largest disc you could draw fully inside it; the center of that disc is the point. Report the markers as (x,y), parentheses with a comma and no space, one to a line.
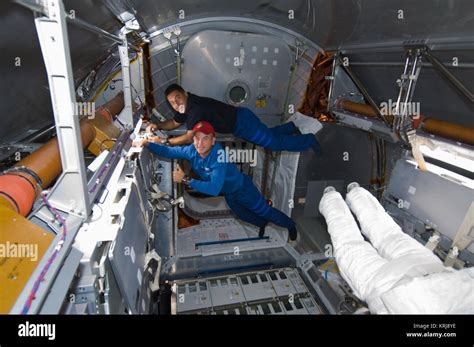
(292,234)
(261,232)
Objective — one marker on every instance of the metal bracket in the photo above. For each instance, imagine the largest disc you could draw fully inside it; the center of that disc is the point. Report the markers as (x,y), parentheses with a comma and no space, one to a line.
(332,80)
(132,24)
(70,192)
(155,285)
(41,7)
(433,242)
(445,72)
(168,33)
(301,49)
(451,257)
(407,82)
(361,87)
(127,113)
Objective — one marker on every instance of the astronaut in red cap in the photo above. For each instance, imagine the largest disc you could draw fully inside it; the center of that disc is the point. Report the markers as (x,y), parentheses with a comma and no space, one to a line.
(221,177)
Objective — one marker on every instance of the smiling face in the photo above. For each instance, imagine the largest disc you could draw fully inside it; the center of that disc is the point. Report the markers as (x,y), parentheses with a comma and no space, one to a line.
(203,143)
(177,100)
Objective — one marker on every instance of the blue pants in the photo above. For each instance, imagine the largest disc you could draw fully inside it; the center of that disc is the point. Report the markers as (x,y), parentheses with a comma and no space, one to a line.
(279,138)
(250,206)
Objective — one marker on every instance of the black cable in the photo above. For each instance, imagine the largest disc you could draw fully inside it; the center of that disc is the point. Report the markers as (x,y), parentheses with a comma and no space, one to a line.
(105,140)
(27,171)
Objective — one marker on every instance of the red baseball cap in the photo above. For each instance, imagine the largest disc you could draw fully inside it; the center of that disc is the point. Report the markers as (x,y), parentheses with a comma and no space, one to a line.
(204,127)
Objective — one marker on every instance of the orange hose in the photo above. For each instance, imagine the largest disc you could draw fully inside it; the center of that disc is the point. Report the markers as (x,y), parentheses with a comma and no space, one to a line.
(356,107)
(449,130)
(18,192)
(46,161)
(19,189)
(433,126)
(112,108)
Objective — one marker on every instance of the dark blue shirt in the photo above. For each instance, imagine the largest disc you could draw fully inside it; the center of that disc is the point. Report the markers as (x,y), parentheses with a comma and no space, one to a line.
(217,175)
(222,116)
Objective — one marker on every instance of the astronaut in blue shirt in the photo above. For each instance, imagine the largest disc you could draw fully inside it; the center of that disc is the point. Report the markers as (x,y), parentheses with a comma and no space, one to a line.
(221,177)
(228,119)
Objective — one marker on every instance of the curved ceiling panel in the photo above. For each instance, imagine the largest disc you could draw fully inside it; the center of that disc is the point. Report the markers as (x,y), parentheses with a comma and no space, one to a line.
(329,24)
(332,23)
(26,103)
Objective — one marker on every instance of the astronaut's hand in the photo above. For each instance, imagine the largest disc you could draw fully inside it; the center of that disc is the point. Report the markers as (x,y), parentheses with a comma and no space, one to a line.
(151,127)
(140,143)
(155,139)
(178,174)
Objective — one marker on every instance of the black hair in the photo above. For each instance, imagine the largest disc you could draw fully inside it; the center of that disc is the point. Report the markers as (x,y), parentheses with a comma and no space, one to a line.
(173,87)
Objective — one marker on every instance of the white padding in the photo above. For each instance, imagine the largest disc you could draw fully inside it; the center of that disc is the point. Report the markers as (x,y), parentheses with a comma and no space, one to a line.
(388,238)
(443,293)
(338,217)
(357,260)
(399,275)
(306,124)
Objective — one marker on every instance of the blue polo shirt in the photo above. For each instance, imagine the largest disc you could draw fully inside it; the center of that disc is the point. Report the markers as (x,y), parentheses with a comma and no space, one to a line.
(217,175)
